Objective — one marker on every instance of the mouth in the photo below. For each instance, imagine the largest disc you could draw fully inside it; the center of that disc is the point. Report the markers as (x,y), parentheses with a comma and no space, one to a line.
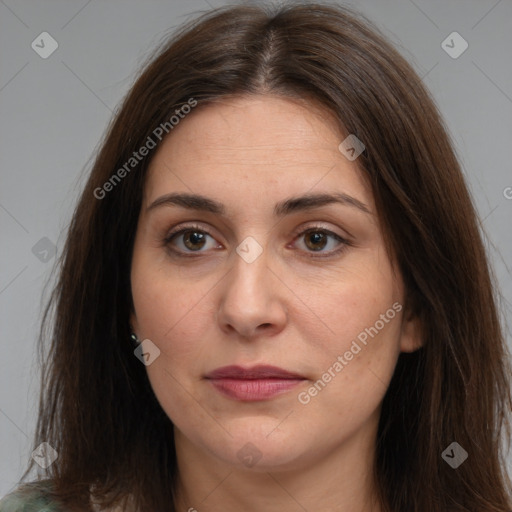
(253,384)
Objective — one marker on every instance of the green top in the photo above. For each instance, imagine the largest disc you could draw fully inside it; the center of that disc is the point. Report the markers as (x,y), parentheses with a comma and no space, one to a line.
(31,497)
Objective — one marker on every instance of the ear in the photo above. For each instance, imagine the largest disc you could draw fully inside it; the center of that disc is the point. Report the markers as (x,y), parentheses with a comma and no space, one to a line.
(411,336)
(134,325)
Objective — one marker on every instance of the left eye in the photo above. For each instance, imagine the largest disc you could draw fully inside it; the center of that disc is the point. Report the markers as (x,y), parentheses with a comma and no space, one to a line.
(318,239)
(192,239)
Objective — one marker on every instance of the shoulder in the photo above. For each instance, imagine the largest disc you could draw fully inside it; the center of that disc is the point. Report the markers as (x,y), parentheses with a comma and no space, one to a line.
(30,497)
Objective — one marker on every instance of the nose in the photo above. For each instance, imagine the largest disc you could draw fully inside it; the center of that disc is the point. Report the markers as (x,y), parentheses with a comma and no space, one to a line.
(253,301)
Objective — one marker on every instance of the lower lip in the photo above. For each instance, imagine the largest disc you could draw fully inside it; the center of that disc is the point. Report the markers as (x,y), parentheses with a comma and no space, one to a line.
(252,390)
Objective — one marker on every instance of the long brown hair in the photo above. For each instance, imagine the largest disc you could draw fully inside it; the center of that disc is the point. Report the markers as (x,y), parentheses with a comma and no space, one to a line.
(97,407)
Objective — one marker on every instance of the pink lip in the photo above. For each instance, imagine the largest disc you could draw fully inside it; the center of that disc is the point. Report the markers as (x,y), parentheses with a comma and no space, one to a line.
(252,384)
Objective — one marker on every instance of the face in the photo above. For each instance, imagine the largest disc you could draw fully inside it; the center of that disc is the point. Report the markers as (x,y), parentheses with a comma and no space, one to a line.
(255,273)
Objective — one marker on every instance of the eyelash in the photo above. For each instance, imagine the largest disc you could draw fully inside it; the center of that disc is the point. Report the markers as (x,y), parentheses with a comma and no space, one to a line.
(310,229)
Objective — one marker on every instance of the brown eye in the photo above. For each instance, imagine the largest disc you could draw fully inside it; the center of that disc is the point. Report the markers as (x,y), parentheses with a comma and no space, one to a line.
(194,240)
(190,240)
(316,240)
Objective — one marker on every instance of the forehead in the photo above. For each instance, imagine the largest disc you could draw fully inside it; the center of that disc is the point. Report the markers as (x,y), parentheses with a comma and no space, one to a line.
(246,145)
(252,123)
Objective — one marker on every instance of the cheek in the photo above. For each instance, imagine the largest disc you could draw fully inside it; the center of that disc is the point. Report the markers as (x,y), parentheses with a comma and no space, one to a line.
(173,317)
(354,302)
(165,300)
(355,362)
(172,312)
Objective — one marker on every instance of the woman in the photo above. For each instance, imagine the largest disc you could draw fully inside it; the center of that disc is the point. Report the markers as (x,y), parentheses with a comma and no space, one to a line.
(274,294)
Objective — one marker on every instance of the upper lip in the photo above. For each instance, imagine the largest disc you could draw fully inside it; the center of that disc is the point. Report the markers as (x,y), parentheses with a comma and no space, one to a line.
(254,372)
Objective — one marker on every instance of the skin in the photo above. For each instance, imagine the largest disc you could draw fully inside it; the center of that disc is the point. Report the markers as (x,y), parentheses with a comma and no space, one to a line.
(286,309)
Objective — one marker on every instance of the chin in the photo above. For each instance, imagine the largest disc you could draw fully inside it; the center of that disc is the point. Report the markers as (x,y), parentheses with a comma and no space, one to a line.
(261,447)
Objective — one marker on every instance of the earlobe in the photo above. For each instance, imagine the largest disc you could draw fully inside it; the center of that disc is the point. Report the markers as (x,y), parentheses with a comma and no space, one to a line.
(411,337)
(134,326)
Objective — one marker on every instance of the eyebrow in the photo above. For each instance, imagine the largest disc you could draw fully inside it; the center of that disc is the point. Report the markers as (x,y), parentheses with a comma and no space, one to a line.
(286,207)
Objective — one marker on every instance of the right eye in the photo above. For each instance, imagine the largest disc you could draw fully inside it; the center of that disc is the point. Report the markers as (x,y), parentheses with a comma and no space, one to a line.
(190,239)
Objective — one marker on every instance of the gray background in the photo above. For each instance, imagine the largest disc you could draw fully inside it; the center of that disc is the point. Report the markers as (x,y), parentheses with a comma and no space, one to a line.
(53,113)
